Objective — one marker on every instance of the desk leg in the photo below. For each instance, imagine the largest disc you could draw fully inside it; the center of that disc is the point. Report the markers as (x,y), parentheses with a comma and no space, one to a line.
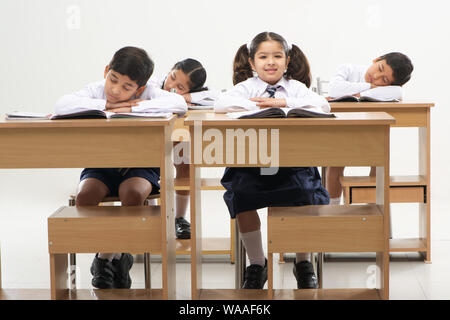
(425,208)
(240,259)
(167,219)
(58,275)
(0,267)
(196,231)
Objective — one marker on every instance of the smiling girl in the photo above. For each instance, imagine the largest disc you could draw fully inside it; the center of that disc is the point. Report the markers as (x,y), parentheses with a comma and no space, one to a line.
(269,72)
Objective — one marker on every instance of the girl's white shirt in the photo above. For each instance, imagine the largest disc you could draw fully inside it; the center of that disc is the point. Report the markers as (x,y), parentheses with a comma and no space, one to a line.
(296,93)
(349,79)
(203,98)
(92,96)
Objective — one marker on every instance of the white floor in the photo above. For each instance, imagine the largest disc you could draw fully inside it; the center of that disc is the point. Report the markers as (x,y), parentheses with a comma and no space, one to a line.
(410,277)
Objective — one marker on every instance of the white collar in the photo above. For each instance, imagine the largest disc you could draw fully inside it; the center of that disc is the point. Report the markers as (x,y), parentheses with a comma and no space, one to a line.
(262,85)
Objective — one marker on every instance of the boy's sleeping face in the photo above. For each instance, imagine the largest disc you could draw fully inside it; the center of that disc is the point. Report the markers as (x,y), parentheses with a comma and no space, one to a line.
(379,74)
(119,87)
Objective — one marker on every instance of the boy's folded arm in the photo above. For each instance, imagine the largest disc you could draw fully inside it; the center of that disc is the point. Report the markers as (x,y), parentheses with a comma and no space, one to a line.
(384,93)
(338,88)
(158,100)
(85,99)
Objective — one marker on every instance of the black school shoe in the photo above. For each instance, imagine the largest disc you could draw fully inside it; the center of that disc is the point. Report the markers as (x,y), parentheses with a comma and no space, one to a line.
(182,228)
(305,276)
(122,266)
(255,276)
(103,273)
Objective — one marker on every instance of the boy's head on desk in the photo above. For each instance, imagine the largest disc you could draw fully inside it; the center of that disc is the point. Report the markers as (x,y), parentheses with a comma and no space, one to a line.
(393,68)
(127,74)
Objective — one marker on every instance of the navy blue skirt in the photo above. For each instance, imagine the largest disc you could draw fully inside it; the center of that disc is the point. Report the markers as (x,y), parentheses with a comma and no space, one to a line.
(247,189)
(113,177)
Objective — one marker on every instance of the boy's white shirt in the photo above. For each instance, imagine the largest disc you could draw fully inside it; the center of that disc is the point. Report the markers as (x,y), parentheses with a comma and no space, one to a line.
(349,79)
(297,95)
(92,96)
(203,98)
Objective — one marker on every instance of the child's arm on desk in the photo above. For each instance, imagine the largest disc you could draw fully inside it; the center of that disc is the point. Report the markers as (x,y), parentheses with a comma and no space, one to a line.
(305,98)
(339,86)
(234,100)
(158,100)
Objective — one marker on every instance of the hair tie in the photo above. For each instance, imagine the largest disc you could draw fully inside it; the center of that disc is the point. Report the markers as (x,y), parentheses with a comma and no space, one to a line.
(289,45)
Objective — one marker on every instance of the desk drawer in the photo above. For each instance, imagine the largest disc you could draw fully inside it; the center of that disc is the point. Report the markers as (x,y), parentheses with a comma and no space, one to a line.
(397,194)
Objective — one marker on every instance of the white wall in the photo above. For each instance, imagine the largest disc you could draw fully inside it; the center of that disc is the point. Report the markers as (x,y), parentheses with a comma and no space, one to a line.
(52,47)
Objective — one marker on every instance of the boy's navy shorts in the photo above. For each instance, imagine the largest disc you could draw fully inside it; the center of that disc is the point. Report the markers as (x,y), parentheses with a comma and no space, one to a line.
(113,177)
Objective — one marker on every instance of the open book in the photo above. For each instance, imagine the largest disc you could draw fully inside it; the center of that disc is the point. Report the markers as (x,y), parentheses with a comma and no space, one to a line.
(350,98)
(21,115)
(279,113)
(99,114)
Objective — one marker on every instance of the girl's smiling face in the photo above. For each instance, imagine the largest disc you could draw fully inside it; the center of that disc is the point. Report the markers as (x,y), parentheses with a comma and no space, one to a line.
(270,61)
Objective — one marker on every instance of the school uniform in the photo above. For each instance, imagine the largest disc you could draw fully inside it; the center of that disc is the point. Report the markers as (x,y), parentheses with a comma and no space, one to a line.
(349,79)
(202,98)
(246,188)
(92,96)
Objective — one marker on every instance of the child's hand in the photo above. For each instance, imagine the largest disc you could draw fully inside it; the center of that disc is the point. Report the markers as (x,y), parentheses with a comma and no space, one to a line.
(269,102)
(187,97)
(120,110)
(130,103)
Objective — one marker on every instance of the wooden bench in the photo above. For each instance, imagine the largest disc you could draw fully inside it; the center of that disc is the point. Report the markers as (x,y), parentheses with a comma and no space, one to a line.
(326,228)
(136,230)
(211,246)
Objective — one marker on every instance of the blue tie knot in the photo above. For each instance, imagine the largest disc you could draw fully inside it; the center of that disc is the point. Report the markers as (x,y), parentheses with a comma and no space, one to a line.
(271,90)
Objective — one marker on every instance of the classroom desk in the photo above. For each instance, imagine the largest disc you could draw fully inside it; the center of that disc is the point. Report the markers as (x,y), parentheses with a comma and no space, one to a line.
(352,139)
(407,114)
(94,143)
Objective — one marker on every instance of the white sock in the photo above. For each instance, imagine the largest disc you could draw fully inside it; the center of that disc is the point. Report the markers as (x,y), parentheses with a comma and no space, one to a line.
(303,256)
(334,201)
(181,204)
(253,245)
(109,256)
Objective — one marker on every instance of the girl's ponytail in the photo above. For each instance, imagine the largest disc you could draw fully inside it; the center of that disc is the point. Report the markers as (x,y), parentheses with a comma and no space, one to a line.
(298,67)
(242,70)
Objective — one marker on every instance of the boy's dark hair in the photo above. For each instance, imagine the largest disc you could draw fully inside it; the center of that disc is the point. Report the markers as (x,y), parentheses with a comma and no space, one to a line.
(298,67)
(134,63)
(401,65)
(195,72)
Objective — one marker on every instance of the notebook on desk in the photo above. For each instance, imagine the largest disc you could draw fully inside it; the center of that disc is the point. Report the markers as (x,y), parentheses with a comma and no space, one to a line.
(349,98)
(279,113)
(23,115)
(99,114)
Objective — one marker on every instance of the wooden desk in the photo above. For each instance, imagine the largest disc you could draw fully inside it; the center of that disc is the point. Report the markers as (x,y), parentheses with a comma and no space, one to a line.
(407,114)
(352,139)
(94,143)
